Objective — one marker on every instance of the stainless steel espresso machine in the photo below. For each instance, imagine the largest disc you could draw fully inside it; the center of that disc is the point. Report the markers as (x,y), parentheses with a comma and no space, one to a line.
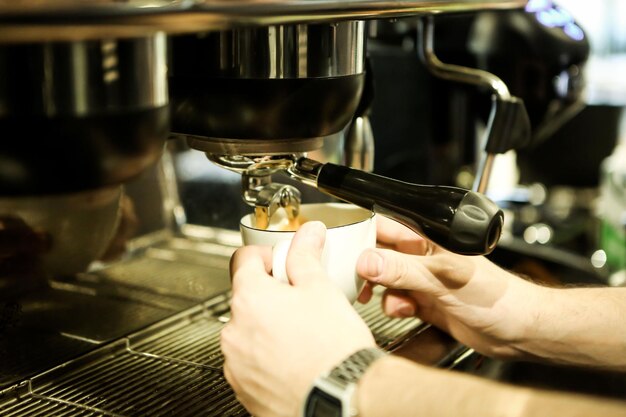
(90,93)
(256,100)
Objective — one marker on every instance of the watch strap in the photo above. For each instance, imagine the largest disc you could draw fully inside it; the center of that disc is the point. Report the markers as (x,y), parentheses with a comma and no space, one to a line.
(354,366)
(333,393)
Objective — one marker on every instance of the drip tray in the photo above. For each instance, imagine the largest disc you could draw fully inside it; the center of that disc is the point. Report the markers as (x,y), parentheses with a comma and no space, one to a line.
(52,326)
(44,325)
(171,368)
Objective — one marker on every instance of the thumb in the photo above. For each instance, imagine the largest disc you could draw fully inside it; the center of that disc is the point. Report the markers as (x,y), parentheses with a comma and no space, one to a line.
(305,254)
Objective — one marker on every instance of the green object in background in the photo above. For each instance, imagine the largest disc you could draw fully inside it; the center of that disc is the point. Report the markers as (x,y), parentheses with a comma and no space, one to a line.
(613,241)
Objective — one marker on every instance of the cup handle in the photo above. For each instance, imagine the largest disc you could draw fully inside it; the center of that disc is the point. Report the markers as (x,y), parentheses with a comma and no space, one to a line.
(279,261)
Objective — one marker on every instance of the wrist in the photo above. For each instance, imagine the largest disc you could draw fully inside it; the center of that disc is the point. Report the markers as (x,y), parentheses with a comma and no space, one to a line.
(579,326)
(395,386)
(538,322)
(519,315)
(375,379)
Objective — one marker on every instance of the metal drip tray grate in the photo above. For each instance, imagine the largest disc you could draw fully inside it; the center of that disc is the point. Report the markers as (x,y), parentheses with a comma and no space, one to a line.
(129,384)
(45,408)
(194,342)
(389,333)
(172,368)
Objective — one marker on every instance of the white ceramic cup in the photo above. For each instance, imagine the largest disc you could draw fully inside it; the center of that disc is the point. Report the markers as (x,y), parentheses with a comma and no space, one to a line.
(351,230)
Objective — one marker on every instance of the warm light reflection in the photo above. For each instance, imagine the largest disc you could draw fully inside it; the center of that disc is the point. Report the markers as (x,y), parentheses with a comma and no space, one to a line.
(598,258)
(538,233)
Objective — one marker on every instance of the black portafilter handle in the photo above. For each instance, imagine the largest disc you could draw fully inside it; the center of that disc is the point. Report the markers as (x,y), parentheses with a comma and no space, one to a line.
(462,221)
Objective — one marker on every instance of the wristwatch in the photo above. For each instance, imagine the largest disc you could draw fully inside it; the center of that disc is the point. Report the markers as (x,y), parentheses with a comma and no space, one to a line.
(332,394)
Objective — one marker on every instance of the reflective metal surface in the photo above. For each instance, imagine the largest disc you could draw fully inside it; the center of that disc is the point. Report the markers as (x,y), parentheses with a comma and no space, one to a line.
(271,89)
(288,83)
(255,164)
(359,147)
(13,9)
(36,20)
(23,8)
(504,131)
(84,77)
(81,115)
(236,147)
(471,76)
(253,110)
(282,51)
(267,197)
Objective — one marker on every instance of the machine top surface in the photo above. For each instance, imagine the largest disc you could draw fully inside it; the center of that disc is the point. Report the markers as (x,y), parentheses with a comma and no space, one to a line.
(47,20)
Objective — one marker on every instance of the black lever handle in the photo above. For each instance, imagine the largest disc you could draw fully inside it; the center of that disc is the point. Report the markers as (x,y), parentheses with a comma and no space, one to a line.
(461,221)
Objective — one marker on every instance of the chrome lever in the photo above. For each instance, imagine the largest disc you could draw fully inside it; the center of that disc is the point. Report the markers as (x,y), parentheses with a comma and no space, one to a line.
(508,126)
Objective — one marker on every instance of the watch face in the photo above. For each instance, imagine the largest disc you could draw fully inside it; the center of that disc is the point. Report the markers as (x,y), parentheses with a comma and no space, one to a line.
(321,404)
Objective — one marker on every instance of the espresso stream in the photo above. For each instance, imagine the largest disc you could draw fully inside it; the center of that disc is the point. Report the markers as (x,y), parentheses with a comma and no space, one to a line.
(293,223)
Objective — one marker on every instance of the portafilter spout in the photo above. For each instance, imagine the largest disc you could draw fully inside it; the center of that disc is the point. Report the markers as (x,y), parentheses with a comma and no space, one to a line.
(267,197)
(462,221)
(257,188)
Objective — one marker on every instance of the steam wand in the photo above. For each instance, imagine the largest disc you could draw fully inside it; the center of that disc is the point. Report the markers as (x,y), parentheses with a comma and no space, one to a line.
(508,126)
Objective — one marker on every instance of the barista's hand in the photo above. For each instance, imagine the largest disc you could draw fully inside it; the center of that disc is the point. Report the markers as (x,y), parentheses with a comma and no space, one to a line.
(480,304)
(281,337)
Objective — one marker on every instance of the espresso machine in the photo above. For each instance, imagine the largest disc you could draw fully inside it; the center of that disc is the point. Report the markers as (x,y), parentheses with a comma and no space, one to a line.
(248,98)
(93,92)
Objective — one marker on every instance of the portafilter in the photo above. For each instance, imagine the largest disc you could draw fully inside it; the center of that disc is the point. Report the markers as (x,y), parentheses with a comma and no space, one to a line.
(462,221)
